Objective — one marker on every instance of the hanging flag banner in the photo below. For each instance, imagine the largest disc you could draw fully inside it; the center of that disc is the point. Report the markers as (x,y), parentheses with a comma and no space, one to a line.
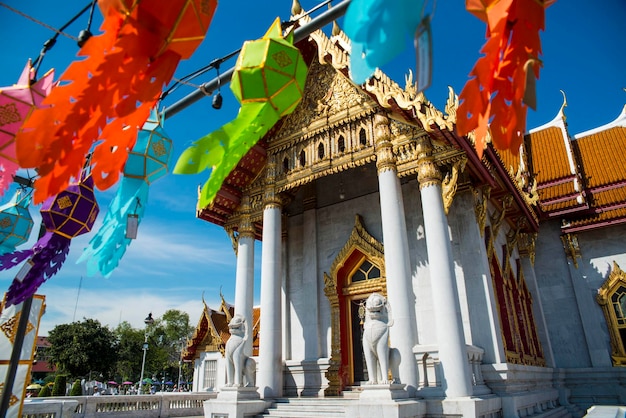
(9,320)
(378,32)
(147,162)
(494,101)
(67,215)
(16,104)
(103,99)
(16,223)
(268,81)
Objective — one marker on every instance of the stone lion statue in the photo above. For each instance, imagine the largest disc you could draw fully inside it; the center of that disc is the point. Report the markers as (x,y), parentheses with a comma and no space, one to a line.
(379,357)
(238,364)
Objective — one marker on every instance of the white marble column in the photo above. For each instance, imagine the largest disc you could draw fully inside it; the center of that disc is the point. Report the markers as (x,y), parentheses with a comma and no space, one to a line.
(403,333)
(270,376)
(451,341)
(244,279)
(286,300)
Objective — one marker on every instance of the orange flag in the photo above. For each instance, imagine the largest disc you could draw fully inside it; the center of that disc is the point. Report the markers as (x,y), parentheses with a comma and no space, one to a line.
(501,84)
(104,99)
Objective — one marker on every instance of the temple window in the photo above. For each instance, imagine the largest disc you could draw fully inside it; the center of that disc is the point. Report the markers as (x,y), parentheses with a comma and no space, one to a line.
(320,150)
(612,299)
(285,164)
(366,271)
(362,137)
(210,374)
(302,158)
(341,144)
(514,304)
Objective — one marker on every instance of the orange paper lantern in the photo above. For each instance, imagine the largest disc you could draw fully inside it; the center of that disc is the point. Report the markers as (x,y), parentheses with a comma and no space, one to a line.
(107,97)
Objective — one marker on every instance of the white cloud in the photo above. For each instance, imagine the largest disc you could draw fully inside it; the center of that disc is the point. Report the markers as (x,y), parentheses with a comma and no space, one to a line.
(112,305)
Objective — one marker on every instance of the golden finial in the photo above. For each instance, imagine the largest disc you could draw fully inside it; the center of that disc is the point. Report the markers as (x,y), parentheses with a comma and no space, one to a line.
(296,8)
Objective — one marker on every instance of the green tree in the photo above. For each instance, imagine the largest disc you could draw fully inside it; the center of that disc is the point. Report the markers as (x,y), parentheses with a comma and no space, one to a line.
(45,391)
(60,382)
(77,388)
(81,347)
(166,338)
(130,352)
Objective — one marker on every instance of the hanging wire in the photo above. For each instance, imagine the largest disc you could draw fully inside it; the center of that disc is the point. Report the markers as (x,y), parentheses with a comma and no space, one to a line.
(212,65)
(52,41)
(39,22)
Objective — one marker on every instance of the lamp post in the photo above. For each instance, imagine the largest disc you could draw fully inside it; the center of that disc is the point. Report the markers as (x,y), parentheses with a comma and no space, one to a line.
(180,361)
(148,321)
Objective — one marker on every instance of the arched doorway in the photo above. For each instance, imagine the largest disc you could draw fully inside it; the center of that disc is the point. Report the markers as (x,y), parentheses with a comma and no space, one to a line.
(358,271)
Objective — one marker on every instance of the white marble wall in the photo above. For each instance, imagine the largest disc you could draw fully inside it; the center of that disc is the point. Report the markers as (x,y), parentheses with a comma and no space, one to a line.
(559,300)
(577,327)
(309,307)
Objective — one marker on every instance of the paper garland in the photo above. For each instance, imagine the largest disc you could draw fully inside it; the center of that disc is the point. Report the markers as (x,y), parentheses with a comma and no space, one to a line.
(107,96)
(147,162)
(268,81)
(65,216)
(494,98)
(378,32)
(16,104)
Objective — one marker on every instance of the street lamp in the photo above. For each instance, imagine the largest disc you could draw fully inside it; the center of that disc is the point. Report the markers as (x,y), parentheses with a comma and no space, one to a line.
(148,321)
(180,360)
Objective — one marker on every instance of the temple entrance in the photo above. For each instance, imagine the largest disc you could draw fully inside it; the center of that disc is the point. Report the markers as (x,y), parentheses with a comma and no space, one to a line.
(359,368)
(357,272)
(363,280)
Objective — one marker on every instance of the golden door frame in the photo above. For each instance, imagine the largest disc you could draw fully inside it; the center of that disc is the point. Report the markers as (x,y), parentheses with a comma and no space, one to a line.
(361,245)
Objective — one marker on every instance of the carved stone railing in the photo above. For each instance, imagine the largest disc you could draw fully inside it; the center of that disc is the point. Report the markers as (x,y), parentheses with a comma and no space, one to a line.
(119,406)
(431,374)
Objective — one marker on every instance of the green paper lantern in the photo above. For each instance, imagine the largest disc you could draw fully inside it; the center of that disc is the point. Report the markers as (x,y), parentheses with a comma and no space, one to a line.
(270,70)
(268,81)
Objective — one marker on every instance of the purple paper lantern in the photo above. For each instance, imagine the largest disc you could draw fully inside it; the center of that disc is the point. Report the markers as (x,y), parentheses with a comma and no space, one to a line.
(66,215)
(73,211)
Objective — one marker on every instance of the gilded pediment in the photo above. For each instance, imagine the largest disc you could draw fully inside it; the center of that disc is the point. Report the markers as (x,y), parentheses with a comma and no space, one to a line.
(329,98)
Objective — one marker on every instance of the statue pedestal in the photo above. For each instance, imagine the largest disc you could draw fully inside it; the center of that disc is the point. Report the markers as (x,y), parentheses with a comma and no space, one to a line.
(388,401)
(387,392)
(235,402)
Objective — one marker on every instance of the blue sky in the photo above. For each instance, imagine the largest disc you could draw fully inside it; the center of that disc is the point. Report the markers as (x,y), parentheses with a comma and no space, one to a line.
(178,258)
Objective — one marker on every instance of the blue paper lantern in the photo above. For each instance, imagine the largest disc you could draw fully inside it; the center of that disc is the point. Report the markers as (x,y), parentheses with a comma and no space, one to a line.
(151,154)
(16,223)
(147,162)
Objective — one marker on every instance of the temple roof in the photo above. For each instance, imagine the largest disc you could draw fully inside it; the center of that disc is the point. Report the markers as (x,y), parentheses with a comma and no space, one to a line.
(580,180)
(211,333)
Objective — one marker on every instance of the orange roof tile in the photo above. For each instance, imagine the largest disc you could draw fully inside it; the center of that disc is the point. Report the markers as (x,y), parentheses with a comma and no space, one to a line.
(603,156)
(550,159)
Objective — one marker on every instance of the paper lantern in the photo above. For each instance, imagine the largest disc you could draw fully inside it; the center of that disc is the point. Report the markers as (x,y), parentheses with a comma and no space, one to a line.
(147,162)
(16,223)
(496,97)
(378,32)
(65,216)
(270,70)
(16,104)
(268,81)
(105,98)
(151,155)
